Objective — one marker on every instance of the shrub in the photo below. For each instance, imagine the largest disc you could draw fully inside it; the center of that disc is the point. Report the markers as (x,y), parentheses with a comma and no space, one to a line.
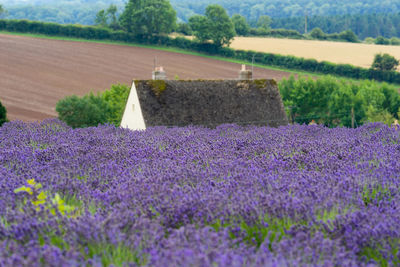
(369,40)
(348,36)
(87,111)
(91,110)
(385,62)
(374,115)
(3,115)
(317,33)
(394,41)
(380,40)
(116,98)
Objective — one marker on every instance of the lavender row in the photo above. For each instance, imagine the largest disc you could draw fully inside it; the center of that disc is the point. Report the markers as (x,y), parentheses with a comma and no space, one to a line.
(230,196)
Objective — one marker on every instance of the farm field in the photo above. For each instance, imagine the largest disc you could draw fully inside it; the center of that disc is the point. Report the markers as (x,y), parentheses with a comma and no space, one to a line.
(230,196)
(35,73)
(337,52)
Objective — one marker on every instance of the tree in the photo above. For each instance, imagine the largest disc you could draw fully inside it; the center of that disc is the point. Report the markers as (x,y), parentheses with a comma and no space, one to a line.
(108,18)
(148,17)
(2,11)
(3,114)
(184,28)
(201,27)
(264,22)
(101,18)
(215,25)
(240,24)
(112,13)
(222,30)
(385,62)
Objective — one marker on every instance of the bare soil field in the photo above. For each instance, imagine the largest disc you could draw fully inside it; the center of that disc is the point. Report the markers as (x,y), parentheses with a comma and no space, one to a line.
(337,52)
(35,73)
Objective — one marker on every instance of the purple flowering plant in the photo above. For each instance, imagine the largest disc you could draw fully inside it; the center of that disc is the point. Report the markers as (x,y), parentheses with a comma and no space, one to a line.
(231,196)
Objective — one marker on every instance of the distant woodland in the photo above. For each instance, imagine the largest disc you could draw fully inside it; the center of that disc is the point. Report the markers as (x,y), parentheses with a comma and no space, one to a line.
(366,18)
(65,12)
(363,25)
(252,9)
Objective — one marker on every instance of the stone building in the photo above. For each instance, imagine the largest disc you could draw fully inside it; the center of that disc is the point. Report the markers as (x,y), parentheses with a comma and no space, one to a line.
(203,102)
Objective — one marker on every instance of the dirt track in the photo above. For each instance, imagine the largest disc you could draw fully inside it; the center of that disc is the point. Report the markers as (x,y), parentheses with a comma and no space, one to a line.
(36,73)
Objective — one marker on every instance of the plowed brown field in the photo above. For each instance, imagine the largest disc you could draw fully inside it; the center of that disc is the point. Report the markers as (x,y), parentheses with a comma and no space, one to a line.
(35,73)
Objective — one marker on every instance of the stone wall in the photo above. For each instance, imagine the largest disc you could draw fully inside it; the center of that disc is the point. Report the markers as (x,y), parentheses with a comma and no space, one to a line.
(210,103)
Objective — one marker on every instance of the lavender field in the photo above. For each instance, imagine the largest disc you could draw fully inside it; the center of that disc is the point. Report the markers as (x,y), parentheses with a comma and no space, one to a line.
(230,196)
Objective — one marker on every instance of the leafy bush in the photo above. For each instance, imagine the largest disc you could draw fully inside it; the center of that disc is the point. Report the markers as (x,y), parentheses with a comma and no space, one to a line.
(317,33)
(385,62)
(3,114)
(394,41)
(380,40)
(116,99)
(87,111)
(347,36)
(91,110)
(369,40)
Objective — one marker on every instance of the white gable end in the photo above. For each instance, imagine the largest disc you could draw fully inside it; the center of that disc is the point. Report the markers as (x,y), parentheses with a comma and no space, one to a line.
(133,117)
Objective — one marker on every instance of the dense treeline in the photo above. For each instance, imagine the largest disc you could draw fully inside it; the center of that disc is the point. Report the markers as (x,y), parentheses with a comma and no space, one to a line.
(290,62)
(363,25)
(64,12)
(335,102)
(253,9)
(83,12)
(361,21)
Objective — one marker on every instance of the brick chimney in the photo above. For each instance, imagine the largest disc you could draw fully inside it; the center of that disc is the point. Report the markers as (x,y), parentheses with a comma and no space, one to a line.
(159,74)
(245,74)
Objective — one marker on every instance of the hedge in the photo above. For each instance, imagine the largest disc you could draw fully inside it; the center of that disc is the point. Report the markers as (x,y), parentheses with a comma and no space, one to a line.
(290,62)
(279,33)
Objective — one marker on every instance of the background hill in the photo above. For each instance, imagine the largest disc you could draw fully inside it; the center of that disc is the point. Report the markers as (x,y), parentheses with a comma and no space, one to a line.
(252,9)
(367,18)
(63,11)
